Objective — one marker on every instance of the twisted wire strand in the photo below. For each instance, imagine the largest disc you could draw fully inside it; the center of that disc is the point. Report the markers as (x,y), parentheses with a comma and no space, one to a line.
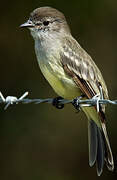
(96,100)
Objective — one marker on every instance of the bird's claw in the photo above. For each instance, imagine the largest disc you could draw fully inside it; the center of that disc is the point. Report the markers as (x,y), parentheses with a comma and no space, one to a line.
(56,103)
(76,104)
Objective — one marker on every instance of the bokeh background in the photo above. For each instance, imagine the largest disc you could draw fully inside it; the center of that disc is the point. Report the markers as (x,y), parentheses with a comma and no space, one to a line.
(39,141)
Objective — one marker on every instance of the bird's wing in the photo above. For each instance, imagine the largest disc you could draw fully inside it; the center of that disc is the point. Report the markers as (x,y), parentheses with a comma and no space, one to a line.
(80,66)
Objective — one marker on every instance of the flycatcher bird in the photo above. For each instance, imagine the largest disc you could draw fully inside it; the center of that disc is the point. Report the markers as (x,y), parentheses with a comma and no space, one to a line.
(72,73)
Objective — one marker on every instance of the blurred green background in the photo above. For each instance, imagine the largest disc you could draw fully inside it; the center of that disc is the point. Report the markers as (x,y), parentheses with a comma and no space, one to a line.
(39,141)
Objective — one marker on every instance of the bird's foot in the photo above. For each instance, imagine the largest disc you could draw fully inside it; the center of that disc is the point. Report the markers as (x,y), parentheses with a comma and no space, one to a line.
(56,103)
(76,104)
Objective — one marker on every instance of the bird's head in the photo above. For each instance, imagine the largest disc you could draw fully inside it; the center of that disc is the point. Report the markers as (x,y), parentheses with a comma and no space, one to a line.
(46,20)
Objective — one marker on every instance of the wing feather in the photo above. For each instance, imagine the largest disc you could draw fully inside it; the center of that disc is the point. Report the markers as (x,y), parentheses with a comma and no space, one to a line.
(82,68)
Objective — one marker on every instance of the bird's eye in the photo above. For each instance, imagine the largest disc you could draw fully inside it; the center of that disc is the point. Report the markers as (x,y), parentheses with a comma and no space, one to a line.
(45,23)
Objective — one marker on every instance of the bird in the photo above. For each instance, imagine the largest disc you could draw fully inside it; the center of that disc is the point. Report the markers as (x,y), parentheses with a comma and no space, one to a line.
(72,73)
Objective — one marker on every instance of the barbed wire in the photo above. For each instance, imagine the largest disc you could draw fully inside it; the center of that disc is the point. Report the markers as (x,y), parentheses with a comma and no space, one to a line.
(95,101)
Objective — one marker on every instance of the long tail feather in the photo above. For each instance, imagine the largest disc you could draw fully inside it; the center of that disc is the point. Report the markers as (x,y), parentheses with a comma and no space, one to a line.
(92,136)
(108,155)
(100,152)
(99,147)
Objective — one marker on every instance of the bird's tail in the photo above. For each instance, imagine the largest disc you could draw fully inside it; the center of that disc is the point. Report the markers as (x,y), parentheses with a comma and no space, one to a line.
(99,147)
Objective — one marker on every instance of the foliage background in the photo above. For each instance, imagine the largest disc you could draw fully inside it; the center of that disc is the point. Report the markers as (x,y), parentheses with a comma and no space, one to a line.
(38,141)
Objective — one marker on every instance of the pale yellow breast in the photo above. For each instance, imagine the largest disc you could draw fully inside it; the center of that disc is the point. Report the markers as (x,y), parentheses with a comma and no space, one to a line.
(63,85)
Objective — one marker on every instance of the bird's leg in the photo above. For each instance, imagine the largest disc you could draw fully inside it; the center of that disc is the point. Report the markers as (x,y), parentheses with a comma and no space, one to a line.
(56,103)
(76,104)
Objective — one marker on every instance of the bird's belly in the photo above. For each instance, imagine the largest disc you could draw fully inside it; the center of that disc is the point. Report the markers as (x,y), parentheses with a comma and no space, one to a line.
(63,85)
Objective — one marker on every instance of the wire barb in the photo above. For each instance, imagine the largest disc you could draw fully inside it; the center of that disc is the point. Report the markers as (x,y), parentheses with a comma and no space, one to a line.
(10,100)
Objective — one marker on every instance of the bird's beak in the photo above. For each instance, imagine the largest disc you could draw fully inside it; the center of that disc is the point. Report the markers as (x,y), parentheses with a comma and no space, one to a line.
(28,24)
